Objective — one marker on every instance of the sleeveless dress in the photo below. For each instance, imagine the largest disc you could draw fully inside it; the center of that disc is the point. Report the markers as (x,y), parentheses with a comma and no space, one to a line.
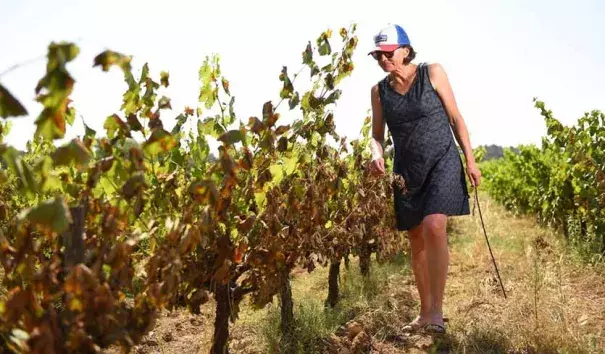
(425,153)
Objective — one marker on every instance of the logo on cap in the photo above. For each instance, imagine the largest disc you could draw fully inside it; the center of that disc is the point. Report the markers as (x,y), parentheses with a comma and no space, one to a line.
(380,38)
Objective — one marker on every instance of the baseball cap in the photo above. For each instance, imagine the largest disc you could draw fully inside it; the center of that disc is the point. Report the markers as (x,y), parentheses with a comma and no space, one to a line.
(390,38)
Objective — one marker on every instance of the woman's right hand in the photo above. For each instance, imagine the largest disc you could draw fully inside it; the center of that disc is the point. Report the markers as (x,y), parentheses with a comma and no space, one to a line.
(377,166)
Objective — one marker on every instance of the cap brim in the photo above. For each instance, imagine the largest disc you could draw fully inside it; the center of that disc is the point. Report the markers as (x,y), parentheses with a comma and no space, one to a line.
(385,48)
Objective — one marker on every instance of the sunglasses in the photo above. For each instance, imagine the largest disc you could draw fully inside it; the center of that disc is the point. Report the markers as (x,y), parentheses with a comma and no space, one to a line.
(377,54)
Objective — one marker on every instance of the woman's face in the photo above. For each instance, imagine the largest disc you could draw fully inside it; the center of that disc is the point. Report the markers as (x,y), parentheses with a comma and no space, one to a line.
(390,61)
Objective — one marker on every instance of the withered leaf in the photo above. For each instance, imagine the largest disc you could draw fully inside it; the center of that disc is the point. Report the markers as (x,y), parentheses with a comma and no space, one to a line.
(256,126)
(9,105)
(134,185)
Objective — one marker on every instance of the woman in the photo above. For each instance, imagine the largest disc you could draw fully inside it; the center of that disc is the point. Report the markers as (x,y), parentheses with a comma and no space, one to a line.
(417,105)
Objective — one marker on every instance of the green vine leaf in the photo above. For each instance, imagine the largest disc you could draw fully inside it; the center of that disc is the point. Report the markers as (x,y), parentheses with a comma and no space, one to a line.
(53,92)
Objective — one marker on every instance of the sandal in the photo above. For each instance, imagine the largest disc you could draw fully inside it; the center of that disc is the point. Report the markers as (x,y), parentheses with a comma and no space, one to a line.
(413,326)
(434,328)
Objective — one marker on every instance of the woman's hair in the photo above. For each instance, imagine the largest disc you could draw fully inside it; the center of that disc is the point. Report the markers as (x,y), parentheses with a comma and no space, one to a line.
(410,56)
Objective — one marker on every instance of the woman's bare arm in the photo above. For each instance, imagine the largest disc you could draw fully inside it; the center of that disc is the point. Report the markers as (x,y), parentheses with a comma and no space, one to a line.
(377,141)
(376,166)
(442,85)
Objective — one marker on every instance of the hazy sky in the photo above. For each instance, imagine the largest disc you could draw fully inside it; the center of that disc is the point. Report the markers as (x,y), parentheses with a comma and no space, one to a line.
(498,54)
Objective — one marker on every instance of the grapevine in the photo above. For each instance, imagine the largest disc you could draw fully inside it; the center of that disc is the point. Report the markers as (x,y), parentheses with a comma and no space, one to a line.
(562,182)
(101,234)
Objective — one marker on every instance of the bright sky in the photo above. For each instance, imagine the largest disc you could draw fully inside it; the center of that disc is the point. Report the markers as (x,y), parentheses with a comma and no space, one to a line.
(498,54)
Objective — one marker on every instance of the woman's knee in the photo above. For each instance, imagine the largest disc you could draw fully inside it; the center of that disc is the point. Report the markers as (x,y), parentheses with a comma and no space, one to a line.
(434,225)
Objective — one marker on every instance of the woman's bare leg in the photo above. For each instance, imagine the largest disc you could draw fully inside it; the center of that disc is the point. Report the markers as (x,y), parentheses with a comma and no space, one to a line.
(421,275)
(437,255)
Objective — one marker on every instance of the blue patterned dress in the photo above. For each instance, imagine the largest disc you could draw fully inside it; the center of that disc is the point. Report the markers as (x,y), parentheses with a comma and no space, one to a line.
(426,154)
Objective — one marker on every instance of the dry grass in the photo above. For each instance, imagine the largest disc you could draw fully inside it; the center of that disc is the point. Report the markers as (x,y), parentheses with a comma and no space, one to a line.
(555,303)
(380,303)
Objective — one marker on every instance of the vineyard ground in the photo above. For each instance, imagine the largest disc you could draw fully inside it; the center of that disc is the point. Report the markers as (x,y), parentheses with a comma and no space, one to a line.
(555,303)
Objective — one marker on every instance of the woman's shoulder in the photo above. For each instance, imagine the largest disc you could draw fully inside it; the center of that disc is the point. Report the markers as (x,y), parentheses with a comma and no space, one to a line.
(435,69)
(436,72)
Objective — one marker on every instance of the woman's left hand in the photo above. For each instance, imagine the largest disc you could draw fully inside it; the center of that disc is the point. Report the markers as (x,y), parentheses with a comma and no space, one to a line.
(473,174)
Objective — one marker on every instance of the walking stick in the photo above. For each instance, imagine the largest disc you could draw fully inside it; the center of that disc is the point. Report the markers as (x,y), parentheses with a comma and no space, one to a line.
(488,245)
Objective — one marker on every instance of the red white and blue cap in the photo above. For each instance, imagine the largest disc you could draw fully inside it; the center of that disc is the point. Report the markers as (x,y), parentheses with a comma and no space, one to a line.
(390,38)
